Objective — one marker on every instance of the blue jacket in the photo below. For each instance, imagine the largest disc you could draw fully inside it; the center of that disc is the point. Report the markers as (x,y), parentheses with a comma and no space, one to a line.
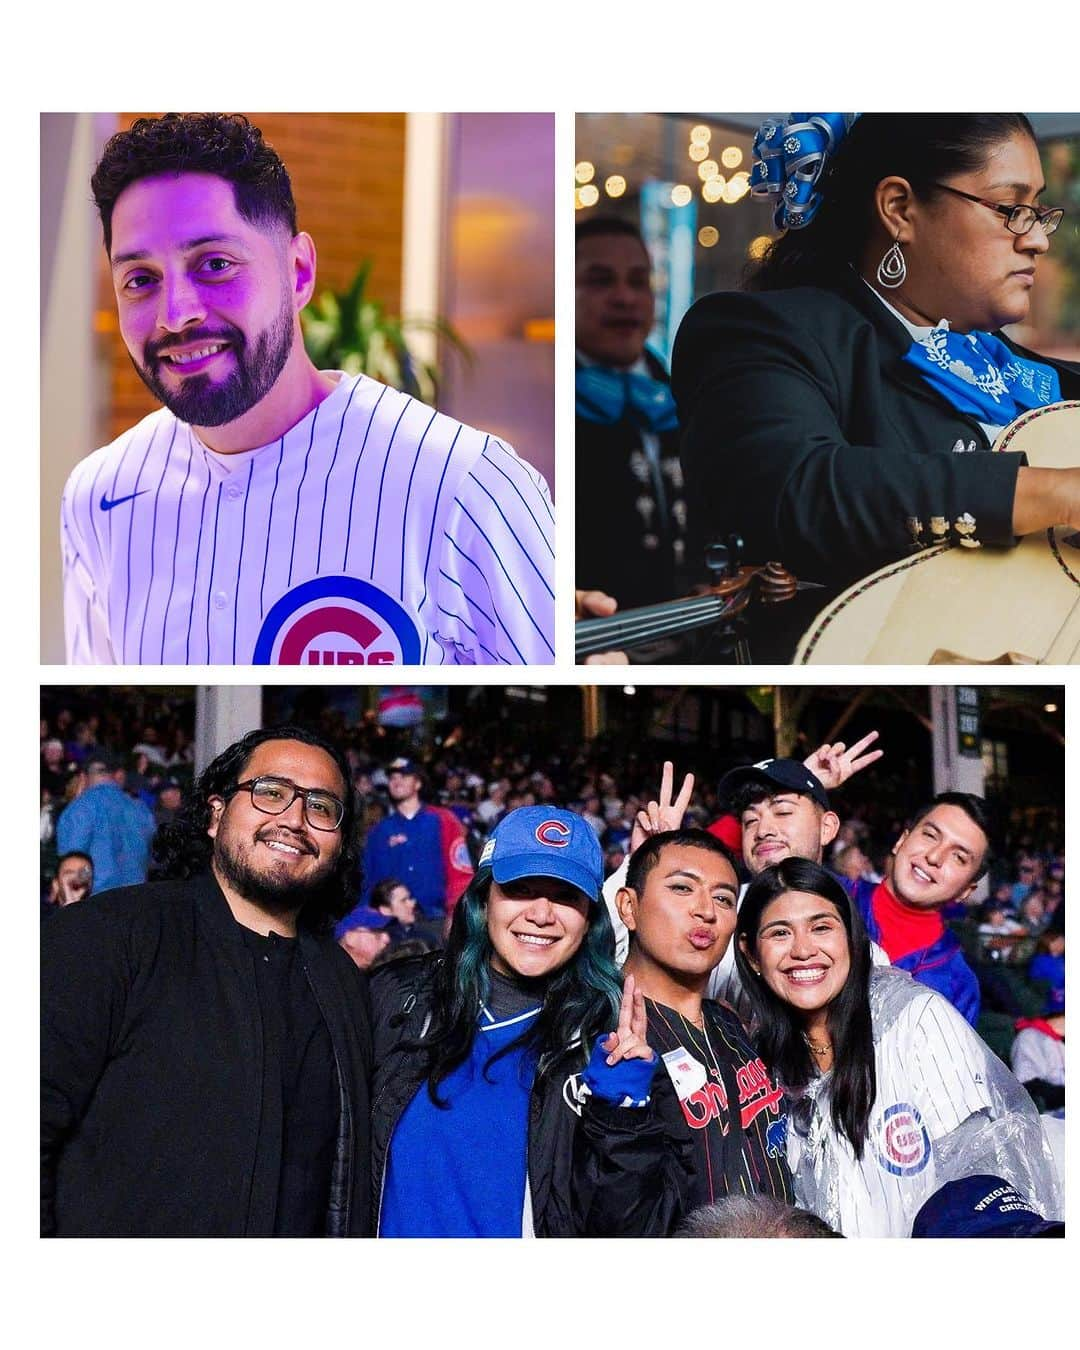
(114,829)
(942,966)
(427,852)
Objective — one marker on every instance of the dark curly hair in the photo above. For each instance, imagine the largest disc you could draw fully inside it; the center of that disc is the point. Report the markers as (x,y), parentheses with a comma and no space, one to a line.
(182,848)
(224,144)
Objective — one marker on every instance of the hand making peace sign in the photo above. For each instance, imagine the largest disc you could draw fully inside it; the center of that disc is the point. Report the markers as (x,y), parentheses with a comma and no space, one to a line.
(664,814)
(834,764)
(627,1041)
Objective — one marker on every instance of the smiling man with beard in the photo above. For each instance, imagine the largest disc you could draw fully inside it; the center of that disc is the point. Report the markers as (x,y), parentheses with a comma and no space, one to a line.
(205,1043)
(272,513)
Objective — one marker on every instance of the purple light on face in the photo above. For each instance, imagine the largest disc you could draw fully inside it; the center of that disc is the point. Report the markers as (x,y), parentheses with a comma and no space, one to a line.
(252,372)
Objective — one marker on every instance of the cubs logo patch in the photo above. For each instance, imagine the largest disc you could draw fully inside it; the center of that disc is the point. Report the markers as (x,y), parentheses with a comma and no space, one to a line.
(903,1143)
(553,833)
(459,856)
(337,621)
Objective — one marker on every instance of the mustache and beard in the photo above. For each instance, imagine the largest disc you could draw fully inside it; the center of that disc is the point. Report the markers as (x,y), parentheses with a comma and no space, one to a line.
(202,402)
(274,891)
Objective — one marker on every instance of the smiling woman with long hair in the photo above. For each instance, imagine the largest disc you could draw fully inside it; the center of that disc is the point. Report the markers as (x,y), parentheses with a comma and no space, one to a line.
(891,1093)
(825,407)
(512,1078)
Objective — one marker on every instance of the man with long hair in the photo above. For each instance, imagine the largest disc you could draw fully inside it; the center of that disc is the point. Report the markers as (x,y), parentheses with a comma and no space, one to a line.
(205,1043)
(270,512)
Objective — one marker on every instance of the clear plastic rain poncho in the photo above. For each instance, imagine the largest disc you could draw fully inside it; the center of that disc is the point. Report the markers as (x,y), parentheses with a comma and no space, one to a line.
(946,1107)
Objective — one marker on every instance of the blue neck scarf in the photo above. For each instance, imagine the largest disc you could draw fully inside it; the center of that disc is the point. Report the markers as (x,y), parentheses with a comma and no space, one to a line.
(980,376)
(609,396)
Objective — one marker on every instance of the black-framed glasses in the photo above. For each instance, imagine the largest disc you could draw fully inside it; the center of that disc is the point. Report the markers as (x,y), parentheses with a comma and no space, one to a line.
(322,810)
(1018,219)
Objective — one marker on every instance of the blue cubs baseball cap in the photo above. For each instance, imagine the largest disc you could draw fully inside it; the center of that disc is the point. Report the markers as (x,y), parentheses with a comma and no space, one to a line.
(781,775)
(982,1206)
(545,841)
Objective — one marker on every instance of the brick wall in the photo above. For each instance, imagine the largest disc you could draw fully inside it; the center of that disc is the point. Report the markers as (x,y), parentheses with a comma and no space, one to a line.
(347,172)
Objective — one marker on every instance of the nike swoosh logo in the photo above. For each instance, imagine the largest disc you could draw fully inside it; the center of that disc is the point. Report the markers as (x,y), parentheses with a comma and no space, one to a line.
(107,505)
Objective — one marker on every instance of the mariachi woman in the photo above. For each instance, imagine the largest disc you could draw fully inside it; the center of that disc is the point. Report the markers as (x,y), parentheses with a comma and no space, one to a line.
(837,411)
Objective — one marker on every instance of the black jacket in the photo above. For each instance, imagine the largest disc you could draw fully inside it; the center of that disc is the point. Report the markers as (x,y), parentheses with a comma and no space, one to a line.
(626,545)
(151,1052)
(805,432)
(594,1170)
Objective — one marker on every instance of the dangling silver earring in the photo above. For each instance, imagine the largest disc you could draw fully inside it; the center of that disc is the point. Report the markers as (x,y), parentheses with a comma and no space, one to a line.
(892,269)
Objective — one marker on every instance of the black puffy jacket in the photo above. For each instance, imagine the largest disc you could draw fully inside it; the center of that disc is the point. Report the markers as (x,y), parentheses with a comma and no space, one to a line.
(594,1170)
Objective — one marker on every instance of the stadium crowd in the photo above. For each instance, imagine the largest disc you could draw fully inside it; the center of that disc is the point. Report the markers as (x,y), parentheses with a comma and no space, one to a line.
(425,823)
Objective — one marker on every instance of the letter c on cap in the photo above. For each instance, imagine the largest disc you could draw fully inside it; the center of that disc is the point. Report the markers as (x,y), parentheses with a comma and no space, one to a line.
(553,833)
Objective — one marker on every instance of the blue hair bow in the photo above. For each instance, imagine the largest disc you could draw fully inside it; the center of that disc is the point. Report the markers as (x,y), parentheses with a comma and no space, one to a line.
(788,161)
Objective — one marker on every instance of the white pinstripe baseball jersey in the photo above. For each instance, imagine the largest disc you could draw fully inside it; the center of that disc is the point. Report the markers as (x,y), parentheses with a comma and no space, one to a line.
(945,1107)
(376,531)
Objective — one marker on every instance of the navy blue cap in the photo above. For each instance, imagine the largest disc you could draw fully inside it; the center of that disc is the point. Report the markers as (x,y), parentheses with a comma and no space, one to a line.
(360,917)
(787,775)
(402,765)
(982,1206)
(545,841)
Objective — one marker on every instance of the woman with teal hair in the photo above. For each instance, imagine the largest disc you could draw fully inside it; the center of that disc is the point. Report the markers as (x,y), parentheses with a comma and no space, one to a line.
(512,1079)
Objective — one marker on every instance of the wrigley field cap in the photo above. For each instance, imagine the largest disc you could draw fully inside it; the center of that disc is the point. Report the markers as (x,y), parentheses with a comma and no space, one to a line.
(982,1206)
(545,841)
(786,775)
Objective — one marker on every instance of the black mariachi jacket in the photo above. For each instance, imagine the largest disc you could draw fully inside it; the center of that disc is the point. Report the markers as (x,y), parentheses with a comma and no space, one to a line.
(594,1170)
(625,545)
(151,1053)
(805,432)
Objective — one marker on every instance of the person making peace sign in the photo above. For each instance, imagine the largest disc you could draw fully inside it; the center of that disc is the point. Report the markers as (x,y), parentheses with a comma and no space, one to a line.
(503,1104)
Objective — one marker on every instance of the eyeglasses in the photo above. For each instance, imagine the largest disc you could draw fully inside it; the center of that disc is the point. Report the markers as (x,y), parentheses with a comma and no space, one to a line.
(322,810)
(1018,219)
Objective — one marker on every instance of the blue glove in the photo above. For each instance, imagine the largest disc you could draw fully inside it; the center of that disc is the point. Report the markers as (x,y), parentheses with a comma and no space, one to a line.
(624,1084)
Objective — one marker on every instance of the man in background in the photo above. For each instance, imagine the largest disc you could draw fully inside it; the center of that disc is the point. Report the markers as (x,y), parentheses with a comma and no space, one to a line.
(631,525)
(421,846)
(114,829)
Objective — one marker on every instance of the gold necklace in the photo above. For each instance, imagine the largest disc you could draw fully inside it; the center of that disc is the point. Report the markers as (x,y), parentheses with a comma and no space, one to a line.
(819,1050)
